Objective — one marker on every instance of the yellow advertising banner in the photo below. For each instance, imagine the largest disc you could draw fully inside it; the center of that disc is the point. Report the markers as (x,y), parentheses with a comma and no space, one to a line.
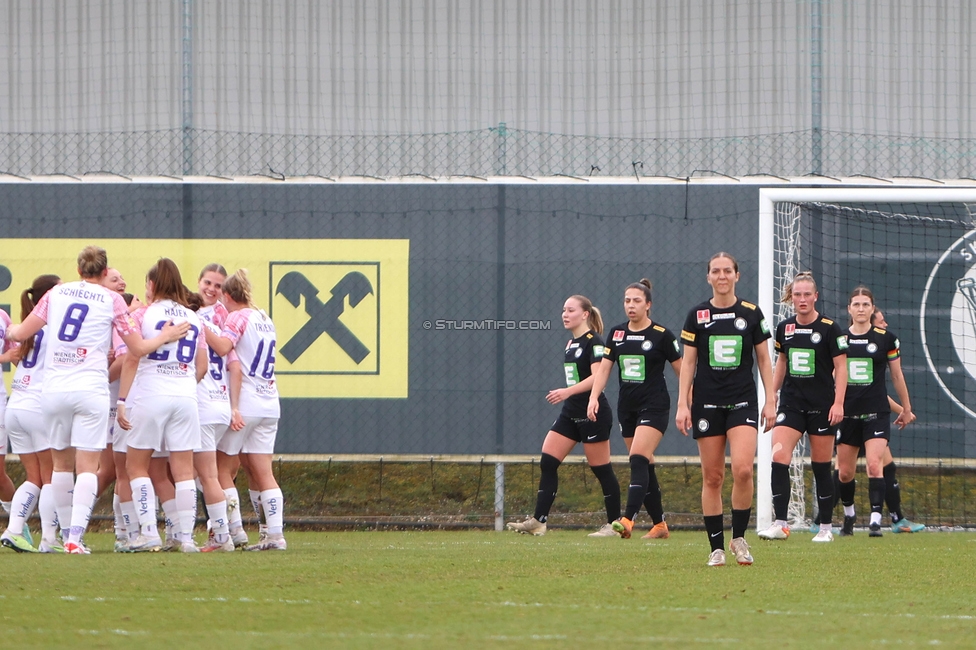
(339,305)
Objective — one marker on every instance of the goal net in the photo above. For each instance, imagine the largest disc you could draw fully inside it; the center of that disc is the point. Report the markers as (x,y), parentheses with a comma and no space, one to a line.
(915,248)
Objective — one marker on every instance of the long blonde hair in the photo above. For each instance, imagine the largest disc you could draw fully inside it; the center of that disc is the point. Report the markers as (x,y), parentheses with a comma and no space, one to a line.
(595,320)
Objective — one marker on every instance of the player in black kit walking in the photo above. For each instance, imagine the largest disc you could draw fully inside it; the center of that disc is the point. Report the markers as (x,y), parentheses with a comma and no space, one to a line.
(723,336)
(641,349)
(871,352)
(582,355)
(811,369)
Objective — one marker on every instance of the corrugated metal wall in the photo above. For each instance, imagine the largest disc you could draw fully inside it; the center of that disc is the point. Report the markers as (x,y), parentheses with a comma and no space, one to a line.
(682,71)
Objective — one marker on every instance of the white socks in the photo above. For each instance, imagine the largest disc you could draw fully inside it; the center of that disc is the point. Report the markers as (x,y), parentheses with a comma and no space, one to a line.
(22,506)
(49,514)
(274,510)
(144,499)
(83,500)
(63,486)
(234,522)
(186,505)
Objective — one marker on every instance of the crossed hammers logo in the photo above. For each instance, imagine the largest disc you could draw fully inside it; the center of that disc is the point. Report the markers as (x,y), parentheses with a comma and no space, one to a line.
(323,317)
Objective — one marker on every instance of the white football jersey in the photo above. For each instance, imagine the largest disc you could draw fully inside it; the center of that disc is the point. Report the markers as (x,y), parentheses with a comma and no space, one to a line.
(170,370)
(254,339)
(80,318)
(25,389)
(213,393)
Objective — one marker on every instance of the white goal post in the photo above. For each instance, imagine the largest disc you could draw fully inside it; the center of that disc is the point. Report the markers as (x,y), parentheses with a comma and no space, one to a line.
(769,284)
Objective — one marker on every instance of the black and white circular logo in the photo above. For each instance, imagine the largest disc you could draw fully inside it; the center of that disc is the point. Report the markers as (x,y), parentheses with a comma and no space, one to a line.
(740,323)
(780,417)
(579,352)
(815,337)
(646,345)
(948,320)
(872,347)
(703,425)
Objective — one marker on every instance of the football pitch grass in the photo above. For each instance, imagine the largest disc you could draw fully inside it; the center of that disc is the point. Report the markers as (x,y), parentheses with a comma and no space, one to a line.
(485,589)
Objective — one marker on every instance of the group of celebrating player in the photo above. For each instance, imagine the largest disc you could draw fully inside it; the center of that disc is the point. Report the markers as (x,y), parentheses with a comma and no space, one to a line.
(162,399)
(830,383)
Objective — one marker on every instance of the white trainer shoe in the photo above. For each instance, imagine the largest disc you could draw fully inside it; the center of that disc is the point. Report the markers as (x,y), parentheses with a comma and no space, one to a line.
(270,543)
(717,558)
(531,526)
(605,531)
(740,549)
(774,532)
(823,536)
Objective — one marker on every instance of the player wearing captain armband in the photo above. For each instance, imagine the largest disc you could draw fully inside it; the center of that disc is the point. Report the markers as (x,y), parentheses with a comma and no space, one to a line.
(80,317)
(725,338)
(251,334)
(641,349)
(581,359)
(164,411)
(811,375)
(872,351)
(899,523)
(29,436)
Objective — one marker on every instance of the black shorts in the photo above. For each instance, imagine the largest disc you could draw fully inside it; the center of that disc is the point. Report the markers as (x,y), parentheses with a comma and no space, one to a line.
(855,431)
(815,423)
(583,429)
(630,420)
(708,421)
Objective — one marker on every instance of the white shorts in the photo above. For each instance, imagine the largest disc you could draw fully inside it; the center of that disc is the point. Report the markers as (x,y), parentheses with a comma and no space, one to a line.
(209,433)
(27,430)
(120,436)
(257,437)
(165,422)
(112,424)
(78,420)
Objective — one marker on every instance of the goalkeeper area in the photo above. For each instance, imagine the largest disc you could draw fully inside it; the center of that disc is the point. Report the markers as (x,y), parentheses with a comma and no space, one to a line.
(488,589)
(915,248)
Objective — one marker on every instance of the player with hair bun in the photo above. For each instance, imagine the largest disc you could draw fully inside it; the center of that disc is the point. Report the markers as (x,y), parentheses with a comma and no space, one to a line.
(251,334)
(641,348)
(81,316)
(582,359)
(725,338)
(164,410)
(29,436)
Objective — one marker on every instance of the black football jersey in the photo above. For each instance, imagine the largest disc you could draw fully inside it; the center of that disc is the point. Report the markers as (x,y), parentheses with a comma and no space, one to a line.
(809,352)
(641,357)
(581,354)
(725,339)
(867,363)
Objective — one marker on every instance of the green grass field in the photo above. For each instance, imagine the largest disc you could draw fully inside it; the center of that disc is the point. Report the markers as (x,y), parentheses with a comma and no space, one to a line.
(485,589)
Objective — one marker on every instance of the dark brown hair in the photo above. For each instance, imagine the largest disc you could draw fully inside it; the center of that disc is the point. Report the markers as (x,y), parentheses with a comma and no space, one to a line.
(735,264)
(213,268)
(167,283)
(29,298)
(645,286)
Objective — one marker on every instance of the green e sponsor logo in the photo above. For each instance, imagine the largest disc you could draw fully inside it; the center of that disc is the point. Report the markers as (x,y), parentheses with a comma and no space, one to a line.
(802,362)
(725,351)
(632,367)
(860,371)
(572,374)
